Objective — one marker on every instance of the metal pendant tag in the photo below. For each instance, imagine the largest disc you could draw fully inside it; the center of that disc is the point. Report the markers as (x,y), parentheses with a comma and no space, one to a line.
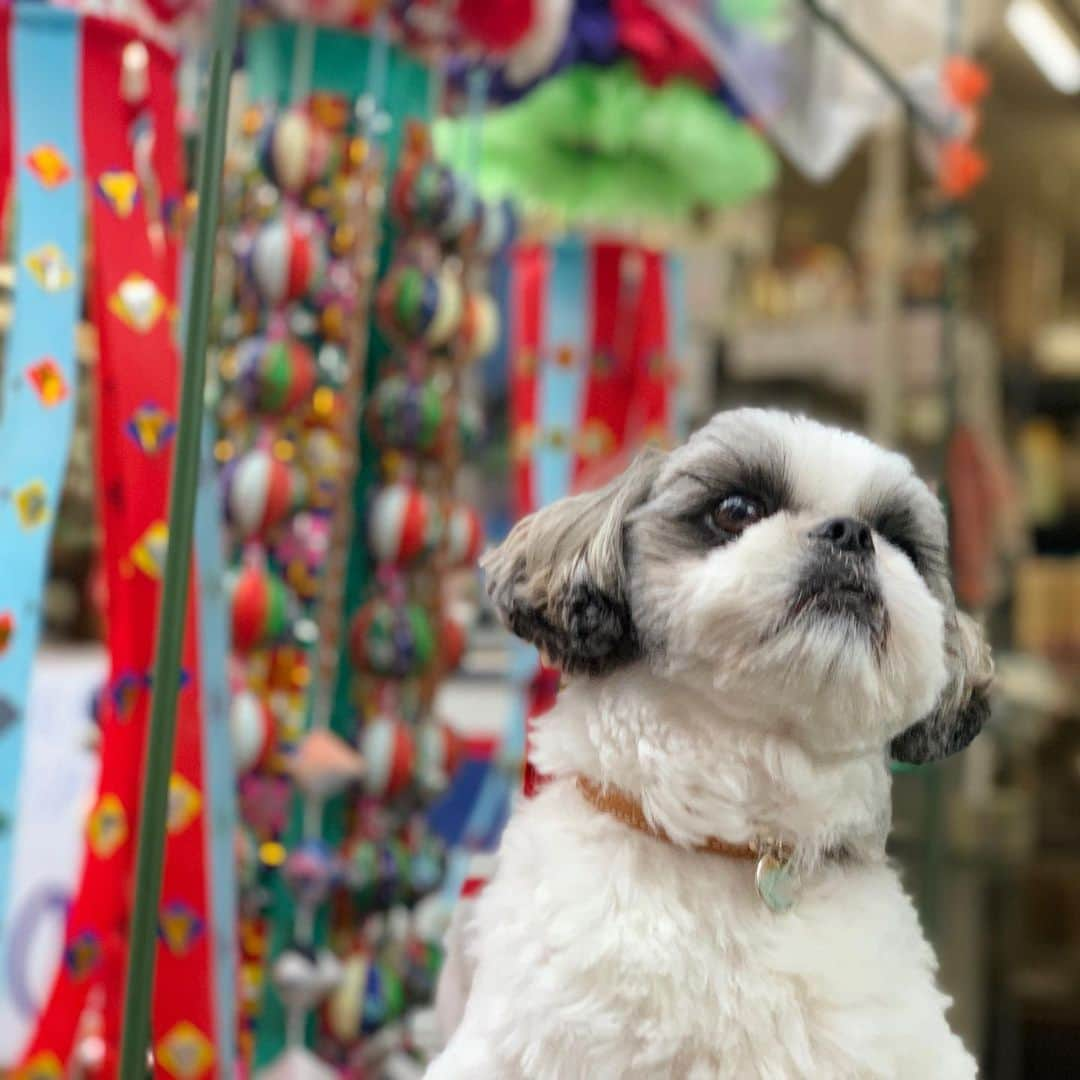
(777,882)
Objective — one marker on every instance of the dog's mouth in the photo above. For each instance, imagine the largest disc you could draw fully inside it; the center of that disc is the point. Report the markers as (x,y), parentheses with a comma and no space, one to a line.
(836,592)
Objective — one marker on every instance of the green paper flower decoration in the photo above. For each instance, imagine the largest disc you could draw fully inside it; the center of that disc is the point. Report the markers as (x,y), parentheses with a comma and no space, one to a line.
(597,143)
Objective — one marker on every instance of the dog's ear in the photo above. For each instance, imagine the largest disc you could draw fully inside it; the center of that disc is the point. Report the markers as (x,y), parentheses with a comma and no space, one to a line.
(964,705)
(559,580)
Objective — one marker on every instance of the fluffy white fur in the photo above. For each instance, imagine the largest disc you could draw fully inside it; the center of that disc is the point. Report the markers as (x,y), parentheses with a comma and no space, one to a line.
(600,952)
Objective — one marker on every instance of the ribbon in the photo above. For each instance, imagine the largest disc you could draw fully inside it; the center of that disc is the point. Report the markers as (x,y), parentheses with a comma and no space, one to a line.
(133,300)
(41,372)
(604,387)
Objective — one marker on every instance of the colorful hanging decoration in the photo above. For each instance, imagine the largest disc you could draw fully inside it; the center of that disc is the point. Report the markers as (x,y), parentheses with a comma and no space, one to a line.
(598,144)
(40,368)
(597,331)
(131,148)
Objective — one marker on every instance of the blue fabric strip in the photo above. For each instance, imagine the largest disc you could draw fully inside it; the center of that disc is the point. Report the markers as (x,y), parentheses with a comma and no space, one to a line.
(219,776)
(40,376)
(561,374)
(565,360)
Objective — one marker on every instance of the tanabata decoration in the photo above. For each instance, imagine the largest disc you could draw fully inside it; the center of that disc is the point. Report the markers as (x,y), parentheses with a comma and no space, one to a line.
(597,332)
(40,127)
(131,160)
(599,144)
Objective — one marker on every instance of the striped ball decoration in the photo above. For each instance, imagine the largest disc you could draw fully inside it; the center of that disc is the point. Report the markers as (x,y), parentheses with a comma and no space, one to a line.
(288,258)
(259,605)
(260,492)
(453,640)
(389,754)
(439,751)
(479,326)
(496,227)
(391,641)
(408,415)
(404,525)
(407,301)
(295,151)
(345,1006)
(253,731)
(384,997)
(275,377)
(464,536)
(449,308)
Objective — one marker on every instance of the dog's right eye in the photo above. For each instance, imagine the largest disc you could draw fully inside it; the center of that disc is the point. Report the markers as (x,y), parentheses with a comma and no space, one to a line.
(735,513)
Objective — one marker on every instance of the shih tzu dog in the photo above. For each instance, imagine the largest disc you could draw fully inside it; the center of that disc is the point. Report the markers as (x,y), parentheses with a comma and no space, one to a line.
(751,626)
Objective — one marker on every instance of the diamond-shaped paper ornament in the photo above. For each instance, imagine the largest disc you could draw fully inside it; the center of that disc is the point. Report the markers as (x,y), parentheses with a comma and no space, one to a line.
(49,164)
(185,802)
(50,268)
(184,1052)
(107,828)
(48,382)
(137,303)
(32,504)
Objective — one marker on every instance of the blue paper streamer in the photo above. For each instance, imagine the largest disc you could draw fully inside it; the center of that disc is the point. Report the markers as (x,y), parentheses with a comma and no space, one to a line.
(40,376)
(565,352)
(219,775)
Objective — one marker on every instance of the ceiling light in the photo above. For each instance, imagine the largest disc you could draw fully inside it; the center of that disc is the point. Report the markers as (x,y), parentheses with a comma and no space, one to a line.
(1047,43)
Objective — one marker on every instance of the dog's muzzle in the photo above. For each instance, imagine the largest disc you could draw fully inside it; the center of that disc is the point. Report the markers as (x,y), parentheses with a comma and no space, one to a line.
(839,585)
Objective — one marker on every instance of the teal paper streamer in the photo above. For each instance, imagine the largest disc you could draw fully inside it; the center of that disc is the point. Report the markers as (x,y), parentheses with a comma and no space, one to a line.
(35,428)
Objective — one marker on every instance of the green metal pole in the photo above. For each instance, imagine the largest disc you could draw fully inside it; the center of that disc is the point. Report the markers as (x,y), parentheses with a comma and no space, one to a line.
(170,632)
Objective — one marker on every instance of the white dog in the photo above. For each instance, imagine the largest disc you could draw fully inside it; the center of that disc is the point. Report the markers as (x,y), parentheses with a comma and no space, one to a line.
(751,625)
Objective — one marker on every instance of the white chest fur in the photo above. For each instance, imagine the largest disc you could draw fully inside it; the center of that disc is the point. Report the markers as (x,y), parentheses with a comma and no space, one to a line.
(603,953)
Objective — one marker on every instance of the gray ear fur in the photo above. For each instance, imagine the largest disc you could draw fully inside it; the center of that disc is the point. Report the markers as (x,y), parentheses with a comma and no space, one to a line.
(559,580)
(963,707)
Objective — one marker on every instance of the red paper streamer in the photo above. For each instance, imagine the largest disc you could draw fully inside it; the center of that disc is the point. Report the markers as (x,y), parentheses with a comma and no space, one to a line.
(133,302)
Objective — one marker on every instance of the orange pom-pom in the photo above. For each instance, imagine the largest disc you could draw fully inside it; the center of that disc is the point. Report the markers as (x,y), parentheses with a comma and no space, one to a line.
(960,169)
(966,81)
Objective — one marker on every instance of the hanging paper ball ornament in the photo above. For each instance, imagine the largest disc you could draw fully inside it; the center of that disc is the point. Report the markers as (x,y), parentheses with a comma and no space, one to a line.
(496,228)
(391,641)
(462,214)
(449,308)
(295,151)
(407,415)
(252,728)
(384,998)
(302,979)
(453,641)
(496,27)
(479,326)
(439,750)
(260,492)
(464,536)
(345,1006)
(423,961)
(361,866)
(407,301)
(404,525)
(288,258)
(431,194)
(388,752)
(276,377)
(260,609)
(310,871)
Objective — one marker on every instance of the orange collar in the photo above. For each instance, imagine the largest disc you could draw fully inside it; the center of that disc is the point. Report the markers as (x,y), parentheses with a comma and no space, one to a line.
(628,810)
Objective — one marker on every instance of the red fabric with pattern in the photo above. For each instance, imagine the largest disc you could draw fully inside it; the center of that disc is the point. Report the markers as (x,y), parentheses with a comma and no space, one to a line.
(138,368)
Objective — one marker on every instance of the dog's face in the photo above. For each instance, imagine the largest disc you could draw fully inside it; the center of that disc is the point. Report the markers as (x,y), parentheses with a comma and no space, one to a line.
(796,572)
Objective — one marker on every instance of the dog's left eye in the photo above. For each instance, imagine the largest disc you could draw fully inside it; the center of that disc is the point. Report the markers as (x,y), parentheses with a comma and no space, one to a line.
(734,513)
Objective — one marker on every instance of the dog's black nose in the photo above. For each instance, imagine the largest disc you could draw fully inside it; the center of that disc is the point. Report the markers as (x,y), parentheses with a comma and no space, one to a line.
(846,534)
